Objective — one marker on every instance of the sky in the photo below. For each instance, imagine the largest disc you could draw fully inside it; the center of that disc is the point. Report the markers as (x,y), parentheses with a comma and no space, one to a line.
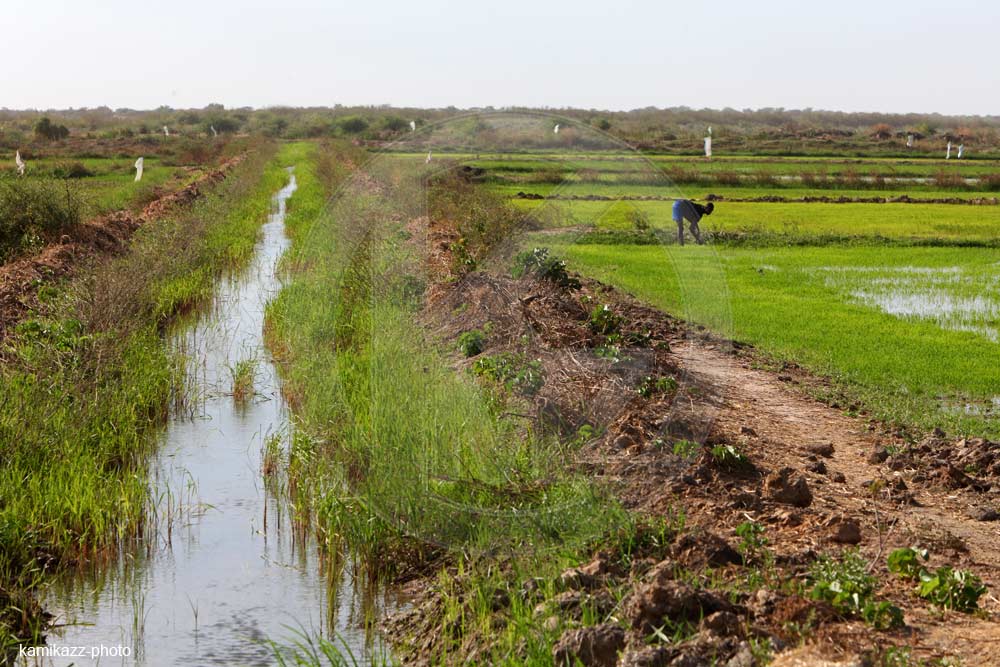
(888,56)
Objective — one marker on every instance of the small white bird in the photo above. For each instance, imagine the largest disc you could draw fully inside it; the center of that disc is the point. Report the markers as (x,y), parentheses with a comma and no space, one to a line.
(909,141)
(428,160)
(212,128)
(166,131)
(555,130)
(709,130)
(138,170)
(19,162)
(961,151)
(413,126)
(947,155)
(708,146)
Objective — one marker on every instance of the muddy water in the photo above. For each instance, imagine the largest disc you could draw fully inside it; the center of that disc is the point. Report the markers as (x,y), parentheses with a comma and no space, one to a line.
(225,571)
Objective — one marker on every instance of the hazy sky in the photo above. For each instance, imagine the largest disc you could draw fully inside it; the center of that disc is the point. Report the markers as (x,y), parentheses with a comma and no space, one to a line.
(609,54)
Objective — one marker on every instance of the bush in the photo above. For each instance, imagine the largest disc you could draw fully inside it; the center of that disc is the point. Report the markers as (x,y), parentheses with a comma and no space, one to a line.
(31,208)
(651,385)
(353,125)
(945,587)
(472,342)
(72,170)
(605,321)
(513,371)
(539,263)
(46,129)
(847,586)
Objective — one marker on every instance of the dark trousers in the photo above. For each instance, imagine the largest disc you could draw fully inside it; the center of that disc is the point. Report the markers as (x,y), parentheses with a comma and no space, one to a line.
(695,232)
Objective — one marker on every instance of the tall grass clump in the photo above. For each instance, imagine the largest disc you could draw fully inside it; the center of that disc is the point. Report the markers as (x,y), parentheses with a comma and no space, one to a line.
(32,209)
(85,382)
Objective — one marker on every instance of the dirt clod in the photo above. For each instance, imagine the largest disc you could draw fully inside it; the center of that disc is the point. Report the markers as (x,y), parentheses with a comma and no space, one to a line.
(596,646)
(789,487)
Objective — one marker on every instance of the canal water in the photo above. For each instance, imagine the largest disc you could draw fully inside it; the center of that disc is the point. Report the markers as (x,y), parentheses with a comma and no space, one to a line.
(226,571)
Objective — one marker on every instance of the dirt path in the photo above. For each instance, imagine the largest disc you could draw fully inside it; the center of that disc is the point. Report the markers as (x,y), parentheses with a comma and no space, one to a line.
(779,422)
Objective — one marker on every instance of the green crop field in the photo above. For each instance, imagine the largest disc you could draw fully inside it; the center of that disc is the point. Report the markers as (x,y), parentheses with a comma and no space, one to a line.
(913,330)
(897,303)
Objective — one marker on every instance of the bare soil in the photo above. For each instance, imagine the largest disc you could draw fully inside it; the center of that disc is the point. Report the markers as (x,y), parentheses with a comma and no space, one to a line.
(821,478)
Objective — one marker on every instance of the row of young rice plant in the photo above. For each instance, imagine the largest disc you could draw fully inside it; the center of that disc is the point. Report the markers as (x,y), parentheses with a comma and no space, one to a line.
(86,381)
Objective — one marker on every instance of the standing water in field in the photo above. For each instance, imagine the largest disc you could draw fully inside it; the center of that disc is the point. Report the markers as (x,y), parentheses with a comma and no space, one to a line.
(226,569)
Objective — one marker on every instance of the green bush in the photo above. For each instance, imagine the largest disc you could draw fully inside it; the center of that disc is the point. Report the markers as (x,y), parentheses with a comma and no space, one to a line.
(847,586)
(513,371)
(472,342)
(945,587)
(30,208)
(605,321)
(651,385)
(538,262)
(71,170)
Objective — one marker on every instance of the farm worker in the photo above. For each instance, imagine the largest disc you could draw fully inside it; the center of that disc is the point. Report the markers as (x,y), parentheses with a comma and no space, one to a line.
(685,209)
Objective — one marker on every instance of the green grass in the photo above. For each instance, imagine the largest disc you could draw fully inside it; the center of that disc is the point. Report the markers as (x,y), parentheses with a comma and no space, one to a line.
(894,221)
(667,190)
(825,307)
(86,382)
(404,452)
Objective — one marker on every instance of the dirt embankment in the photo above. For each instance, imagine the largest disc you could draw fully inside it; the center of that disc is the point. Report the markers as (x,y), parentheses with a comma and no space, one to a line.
(108,234)
(814,478)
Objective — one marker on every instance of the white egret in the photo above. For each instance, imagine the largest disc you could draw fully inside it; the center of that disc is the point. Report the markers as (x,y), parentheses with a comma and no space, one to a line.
(138,170)
(947,155)
(212,128)
(961,151)
(708,146)
(413,126)
(428,160)
(555,130)
(166,131)
(19,162)
(909,141)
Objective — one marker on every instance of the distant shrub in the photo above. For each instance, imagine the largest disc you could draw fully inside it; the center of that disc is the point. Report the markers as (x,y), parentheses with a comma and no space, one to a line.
(639,219)
(353,124)
(990,182)
(31,208)
(71,170)
(949,180)
(46,129)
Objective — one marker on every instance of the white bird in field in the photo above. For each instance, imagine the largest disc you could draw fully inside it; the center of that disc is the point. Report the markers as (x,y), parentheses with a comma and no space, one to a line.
(555,130)
(19,162)
(413,126)
(909,141)
(428,160)
(709,130)
(212,128)
(708,146)
(138,170)
(961,151)
(166,131)
(947,155)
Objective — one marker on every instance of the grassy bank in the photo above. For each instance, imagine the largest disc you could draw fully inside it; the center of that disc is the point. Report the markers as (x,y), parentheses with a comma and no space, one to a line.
(400,459)
(85,383)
